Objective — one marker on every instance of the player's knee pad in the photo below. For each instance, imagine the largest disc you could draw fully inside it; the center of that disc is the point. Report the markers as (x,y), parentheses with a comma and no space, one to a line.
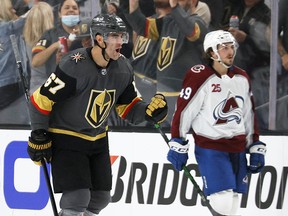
(222,202)
(99,200)
(77,200)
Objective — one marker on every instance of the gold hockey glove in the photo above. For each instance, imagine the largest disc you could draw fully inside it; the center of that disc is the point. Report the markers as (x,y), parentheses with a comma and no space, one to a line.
(156,111)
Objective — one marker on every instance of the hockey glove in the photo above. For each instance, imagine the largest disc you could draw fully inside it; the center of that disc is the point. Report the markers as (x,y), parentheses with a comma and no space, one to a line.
(39,146)
(178,153)
(156,111)
(257,156)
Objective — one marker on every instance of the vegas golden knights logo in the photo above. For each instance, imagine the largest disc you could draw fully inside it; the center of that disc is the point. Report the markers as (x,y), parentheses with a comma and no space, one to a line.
(166,53)
(140,47)
(100,104)
(84,29)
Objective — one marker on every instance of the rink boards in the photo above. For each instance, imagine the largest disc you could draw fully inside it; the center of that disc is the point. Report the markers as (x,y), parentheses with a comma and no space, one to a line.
(144,182)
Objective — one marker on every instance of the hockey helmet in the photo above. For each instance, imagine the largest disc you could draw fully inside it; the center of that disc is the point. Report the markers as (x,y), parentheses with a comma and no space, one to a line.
(105,24)
(218,37)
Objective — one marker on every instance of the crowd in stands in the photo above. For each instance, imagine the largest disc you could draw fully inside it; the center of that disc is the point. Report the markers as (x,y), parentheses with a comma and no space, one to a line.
(166,40)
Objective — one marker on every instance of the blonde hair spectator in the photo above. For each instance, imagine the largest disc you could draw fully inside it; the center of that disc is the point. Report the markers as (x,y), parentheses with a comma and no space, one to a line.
(7,15)
(39,20)
(13,107)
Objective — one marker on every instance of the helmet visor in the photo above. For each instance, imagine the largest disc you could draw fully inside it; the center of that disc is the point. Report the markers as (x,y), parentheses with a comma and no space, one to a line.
(116,37)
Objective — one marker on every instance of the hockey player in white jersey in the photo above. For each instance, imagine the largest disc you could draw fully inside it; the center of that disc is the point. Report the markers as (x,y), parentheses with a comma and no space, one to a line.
(216,102)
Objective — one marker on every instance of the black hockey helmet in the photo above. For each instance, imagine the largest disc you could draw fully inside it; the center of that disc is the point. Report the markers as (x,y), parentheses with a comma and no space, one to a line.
(107,23)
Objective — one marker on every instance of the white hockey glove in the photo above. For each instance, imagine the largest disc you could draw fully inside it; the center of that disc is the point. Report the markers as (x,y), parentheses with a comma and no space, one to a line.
(257,152)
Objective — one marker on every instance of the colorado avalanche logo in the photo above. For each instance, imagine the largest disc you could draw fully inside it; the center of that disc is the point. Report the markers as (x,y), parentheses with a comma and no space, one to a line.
(229,110)
(197,68)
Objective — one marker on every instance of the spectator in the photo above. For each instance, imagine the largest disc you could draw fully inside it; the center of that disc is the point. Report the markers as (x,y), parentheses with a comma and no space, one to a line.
(48,50)
(283,33)
(179,36)
(147,7)
(282,110)
(105,3)
(13,109)
(201,9)
(144,58)
(228,6)
(216,8)
(21,6)
(254,50)
(39,20)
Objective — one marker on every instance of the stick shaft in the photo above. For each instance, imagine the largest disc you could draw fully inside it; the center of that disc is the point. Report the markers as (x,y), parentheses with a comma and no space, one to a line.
(49,187)
(19,66)
(26,90)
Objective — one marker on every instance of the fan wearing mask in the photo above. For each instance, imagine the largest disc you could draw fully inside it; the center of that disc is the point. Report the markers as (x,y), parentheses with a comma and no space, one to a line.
(48,51)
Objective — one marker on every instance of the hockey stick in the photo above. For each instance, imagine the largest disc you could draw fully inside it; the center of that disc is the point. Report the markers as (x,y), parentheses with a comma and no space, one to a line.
(26,91)
(188,175)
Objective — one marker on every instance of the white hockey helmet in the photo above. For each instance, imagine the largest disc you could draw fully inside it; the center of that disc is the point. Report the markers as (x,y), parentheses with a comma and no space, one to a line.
(214,38)
(218,37)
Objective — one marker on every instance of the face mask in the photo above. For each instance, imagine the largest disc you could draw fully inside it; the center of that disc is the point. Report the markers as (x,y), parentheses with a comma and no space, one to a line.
(70,20)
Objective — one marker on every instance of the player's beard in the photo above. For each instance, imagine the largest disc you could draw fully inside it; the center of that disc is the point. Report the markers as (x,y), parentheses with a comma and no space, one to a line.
(114,54)
(161,4)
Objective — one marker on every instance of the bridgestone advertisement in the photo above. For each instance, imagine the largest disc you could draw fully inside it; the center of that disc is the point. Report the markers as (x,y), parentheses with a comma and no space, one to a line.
(144,182)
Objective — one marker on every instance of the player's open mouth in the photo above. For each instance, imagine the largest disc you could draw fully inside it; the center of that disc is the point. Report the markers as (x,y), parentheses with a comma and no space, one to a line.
(118,50)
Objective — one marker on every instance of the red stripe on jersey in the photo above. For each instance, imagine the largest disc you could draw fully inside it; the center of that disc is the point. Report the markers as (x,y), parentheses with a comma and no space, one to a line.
(128,108)
(45,112)
(234,144)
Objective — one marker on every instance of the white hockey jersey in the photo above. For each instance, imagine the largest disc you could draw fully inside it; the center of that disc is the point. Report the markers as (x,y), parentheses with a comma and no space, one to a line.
(219,109)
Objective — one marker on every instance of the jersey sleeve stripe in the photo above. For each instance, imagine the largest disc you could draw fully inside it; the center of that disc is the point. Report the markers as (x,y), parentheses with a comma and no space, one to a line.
(42,103)
(196,33)
(37,49)
(124,110)
(151,30)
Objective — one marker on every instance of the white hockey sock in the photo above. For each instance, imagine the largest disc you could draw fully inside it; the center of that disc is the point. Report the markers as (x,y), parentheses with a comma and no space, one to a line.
(69,212)
(222,202)
(88,213)
(235,205)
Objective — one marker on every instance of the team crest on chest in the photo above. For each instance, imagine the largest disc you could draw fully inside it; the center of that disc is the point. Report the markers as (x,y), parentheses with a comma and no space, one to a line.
(99,106)
(229,109)
(166,53)
(140,47)
(77,57)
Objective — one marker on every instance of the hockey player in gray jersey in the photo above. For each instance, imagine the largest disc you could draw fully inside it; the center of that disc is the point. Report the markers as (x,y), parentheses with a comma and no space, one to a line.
(217,103)
(69,117)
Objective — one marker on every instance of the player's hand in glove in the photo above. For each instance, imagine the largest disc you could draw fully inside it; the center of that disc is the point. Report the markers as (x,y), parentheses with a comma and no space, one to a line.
(178,153)
(156,111)
(257,156)
(39,146)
